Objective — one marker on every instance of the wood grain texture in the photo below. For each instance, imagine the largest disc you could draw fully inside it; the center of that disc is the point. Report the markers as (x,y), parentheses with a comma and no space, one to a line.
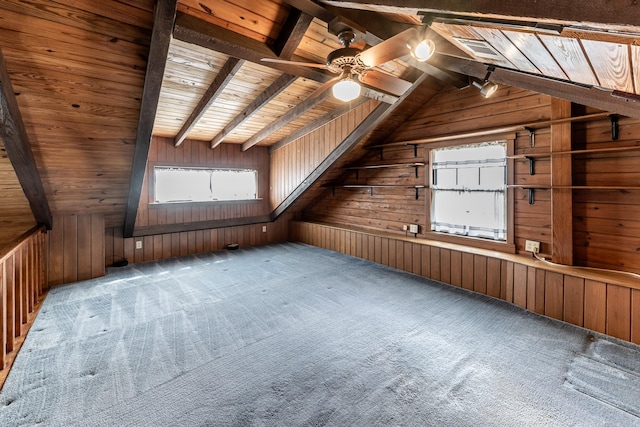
(21,290)
(619,312)
(568,53)
(163,21)
(536,52)
(198,154)
(13,135)
(611,63)
(561,174)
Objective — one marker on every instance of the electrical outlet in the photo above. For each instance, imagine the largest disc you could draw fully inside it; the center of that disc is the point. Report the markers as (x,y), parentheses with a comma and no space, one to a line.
(404,227)
(264,228)
(532,246)
(138,244)
(413,228)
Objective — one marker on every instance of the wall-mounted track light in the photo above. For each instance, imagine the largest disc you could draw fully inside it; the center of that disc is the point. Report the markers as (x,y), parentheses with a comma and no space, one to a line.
(486,87)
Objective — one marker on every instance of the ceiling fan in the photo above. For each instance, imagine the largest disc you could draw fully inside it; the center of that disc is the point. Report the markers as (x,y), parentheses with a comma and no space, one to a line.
(353,65)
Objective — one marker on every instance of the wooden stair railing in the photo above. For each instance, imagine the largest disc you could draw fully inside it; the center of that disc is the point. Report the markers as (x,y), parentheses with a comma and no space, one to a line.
(23,286)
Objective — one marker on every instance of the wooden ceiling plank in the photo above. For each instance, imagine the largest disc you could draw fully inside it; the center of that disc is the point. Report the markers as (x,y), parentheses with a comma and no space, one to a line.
(229,69)
(201,33)
(597,11)
(280,84)
(376,117)
(611,63)
(537,53)
(316,124)
(568,53)
(16,143)
(287,118)
(292,33)
(576,93)
(635,60)
(163,21)
(510,51)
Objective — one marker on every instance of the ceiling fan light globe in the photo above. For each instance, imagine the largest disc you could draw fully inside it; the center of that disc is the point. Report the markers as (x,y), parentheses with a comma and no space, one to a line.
(423,50)
(346,90)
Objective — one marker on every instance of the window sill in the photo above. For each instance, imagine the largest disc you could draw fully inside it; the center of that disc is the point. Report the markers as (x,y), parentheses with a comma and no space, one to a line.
(204,204)
(476,242)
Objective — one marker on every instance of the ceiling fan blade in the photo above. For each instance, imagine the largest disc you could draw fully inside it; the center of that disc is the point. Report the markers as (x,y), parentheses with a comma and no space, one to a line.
(391,84)
(389,49)
(304,64)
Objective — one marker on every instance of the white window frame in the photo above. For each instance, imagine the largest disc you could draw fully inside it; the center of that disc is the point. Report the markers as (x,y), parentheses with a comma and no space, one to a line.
(207,194)
(507,245)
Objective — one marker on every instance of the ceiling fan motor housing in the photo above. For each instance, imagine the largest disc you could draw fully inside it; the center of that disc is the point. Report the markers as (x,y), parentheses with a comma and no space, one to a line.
(347,56)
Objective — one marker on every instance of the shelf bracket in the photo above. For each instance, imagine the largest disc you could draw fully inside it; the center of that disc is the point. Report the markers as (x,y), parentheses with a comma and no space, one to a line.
(416,169)
(371,191)
(532,136)
(532,169)
(415,150)
(615,128)
(531,196)
(416,193)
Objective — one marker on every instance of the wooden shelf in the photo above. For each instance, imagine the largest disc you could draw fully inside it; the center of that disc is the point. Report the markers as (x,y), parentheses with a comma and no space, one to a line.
(532,126)
(415,165)
(531,188)
(576,187)
(391,165)
(585,151)
(380,186)
(372,186)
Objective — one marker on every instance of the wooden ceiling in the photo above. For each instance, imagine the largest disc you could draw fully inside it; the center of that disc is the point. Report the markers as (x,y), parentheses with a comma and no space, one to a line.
(78,71)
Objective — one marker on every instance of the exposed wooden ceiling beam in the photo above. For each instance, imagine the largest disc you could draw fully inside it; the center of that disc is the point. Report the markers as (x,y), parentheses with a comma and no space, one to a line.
(376,117)
(201,33)
(292,33)
(576,93)
(16,143)
(280,84)
(287,118)
(319,122)
(228,70)
(611,12)
(163,20)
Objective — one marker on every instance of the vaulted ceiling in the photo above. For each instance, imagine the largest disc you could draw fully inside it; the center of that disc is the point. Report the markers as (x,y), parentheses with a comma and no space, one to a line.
(82,72)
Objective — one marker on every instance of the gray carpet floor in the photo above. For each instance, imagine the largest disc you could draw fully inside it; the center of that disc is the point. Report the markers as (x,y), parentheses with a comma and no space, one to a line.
(292,335)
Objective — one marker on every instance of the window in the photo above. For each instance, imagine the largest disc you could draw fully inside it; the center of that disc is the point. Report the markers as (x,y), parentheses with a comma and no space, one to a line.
(177,184)
(469,190)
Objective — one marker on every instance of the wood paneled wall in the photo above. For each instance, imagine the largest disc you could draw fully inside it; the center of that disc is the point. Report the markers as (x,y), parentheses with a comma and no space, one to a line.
(379,208)
(15,215)
(169,245)
(449,112)
(606,226)
(198,153)
(22,286)
(78,70)
(605,221)
(606,303)
(76,248)
(292,164)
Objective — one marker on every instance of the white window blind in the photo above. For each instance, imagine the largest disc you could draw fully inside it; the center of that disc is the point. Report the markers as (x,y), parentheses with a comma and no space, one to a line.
(468,190)
(177,184)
